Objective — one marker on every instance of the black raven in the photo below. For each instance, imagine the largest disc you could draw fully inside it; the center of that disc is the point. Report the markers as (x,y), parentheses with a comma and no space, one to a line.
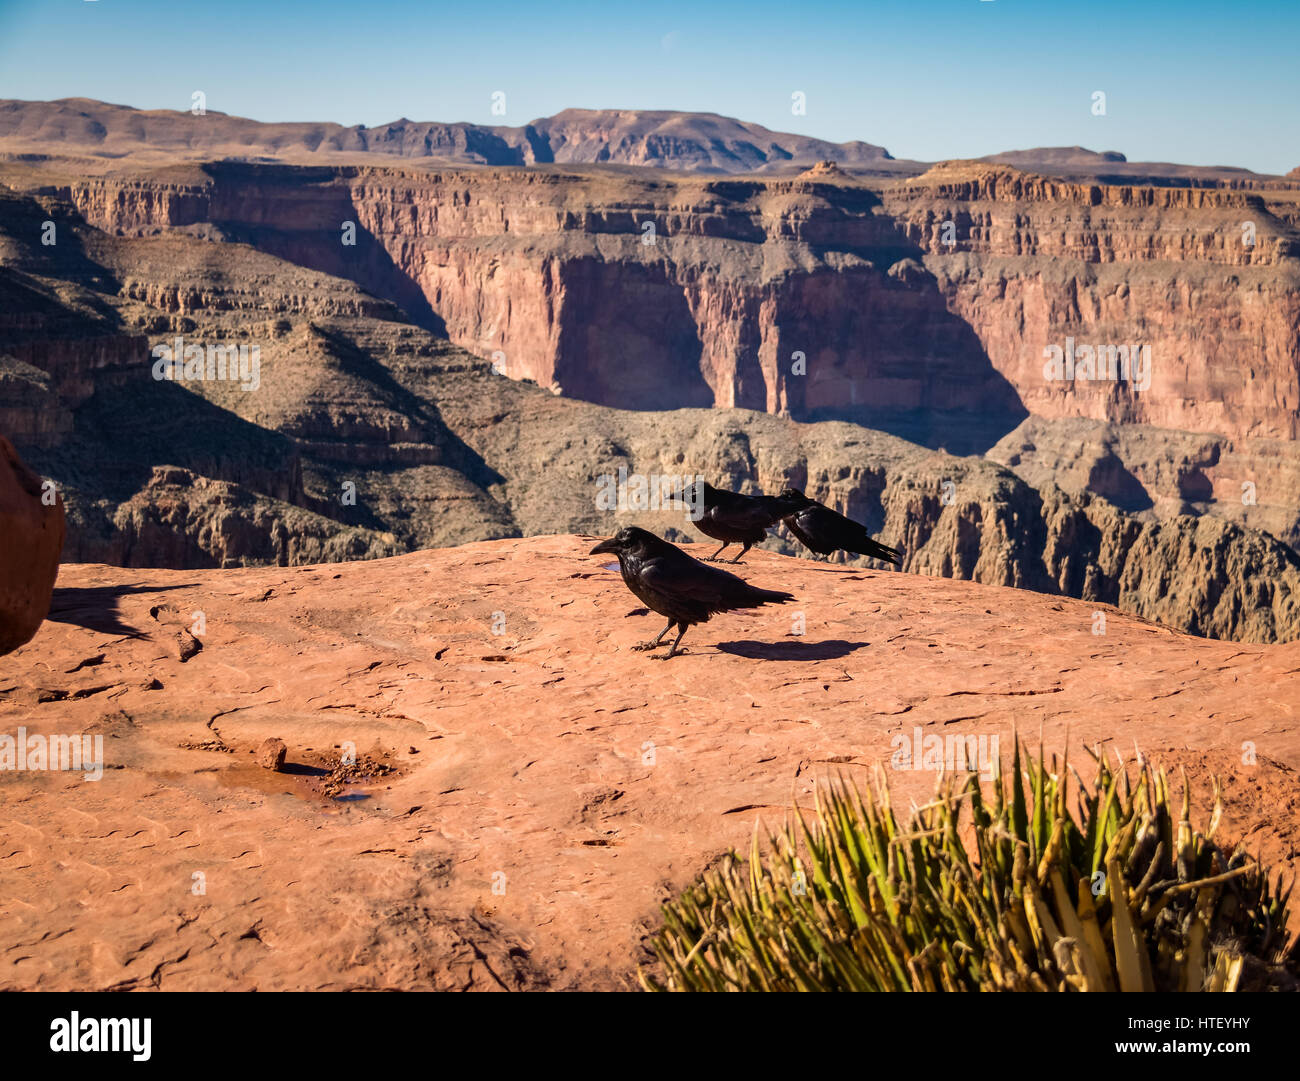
(825,531)
(731,517)
(677,585)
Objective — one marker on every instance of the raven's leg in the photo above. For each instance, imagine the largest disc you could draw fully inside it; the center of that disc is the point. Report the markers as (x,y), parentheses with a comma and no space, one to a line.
(655,643)
(673,651)
(745,549)
(714,558)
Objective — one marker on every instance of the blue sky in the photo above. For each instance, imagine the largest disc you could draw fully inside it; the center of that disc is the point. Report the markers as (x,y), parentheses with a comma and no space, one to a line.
(1203,82)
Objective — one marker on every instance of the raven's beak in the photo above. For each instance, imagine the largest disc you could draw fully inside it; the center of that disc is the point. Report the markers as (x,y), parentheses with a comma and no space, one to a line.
(604,546)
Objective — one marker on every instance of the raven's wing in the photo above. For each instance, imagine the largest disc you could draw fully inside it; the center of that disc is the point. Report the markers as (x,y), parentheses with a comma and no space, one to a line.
(692,583)
(832,531)
(796,523)
(746,512)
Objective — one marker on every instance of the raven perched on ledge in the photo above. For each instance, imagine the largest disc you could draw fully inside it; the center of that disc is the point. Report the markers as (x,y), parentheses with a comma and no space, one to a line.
(825,531)
(731,517)
(678,586)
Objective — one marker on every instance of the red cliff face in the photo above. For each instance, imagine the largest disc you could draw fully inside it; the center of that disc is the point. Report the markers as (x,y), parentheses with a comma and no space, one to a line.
(1207,279)
(787,296)
(815,296)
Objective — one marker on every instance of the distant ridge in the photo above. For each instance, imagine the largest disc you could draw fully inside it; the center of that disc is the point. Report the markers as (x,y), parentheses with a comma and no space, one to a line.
(701,142)
(704,143)
(698,142)
(1055,155)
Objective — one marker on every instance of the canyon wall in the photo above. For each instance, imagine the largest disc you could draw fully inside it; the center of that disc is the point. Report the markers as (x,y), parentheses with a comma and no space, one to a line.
(369,434)
(1208,279)
(934,294)
(922,307)
(793,296)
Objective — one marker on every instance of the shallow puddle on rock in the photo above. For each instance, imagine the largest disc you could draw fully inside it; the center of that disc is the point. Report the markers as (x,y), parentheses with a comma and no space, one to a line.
(266,781)
(298,780)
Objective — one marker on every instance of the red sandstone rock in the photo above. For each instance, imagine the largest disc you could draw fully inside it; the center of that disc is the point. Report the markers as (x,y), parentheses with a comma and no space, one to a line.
(31,540)
(271,754)
(564,781)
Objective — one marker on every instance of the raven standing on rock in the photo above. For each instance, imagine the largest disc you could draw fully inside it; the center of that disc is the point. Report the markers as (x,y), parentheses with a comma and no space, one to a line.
(731,517)
(825,531)
(677,585)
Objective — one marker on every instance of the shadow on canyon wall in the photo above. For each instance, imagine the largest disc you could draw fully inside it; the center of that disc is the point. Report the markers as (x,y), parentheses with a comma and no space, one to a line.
(880,346)
(321,238)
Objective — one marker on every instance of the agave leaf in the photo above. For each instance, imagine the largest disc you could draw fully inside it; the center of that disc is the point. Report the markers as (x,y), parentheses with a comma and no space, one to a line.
(1019,814)
(1092,936)
(1130,951)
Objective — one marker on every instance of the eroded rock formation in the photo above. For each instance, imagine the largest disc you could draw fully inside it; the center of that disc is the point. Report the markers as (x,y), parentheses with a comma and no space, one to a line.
(929,295)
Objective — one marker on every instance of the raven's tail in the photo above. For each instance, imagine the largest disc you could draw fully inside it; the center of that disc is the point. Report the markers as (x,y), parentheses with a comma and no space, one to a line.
(877,550)
(771,596)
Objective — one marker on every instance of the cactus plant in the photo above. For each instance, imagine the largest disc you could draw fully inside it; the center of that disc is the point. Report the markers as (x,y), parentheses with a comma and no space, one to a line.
(1020,894)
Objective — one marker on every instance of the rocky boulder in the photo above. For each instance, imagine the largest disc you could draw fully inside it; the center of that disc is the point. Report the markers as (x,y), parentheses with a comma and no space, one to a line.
(31,541)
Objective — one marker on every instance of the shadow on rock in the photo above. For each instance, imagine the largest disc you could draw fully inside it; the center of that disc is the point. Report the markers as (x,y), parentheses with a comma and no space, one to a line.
(96,608)
(301,769)
(791,651)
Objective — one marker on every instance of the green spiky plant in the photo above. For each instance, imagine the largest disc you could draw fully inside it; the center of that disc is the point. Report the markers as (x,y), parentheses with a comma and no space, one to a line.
(1126,896)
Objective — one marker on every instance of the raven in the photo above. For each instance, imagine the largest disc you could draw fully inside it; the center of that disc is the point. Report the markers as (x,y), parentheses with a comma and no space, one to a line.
(825,531)
(677,585)
(731,517)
